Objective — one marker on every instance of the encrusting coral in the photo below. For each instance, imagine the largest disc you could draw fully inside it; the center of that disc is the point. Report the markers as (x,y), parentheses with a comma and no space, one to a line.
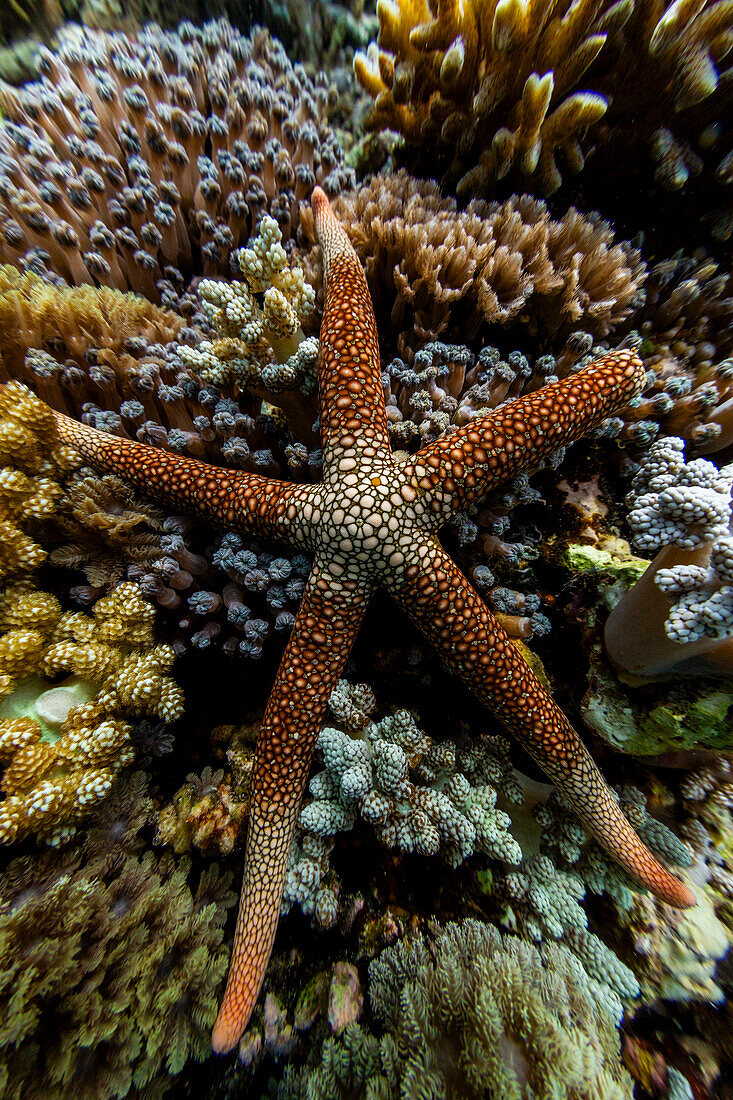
(61,743)
(678,617)
(483,91)
(473,1013)
(110,961)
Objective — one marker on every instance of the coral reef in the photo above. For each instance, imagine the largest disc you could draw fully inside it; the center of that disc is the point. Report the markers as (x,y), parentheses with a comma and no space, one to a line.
(393,776)
(685,334)
(324,31)
(177,165)
(682,510)
(212,591)
(207,812)
(111,961)
(247,338)
(474,1013)
(62,743)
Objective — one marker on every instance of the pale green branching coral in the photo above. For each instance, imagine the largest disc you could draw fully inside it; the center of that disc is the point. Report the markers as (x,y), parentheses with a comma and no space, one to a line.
(476,1014)
(544,903)
(393,776)
(260,341)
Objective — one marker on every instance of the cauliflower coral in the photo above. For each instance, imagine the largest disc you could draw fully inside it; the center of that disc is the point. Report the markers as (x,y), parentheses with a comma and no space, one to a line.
(62,741)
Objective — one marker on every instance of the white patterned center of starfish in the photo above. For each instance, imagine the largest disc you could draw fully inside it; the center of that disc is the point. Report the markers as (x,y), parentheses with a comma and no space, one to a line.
(367,517)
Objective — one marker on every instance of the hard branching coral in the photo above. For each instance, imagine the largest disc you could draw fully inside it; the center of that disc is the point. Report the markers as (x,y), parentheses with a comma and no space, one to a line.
(246,331)
(566,841)
(110,961)
(61,744)
(482,91)
(429,263)
(140,160)
(474,1013)
(261,347)
(679,615)
(409,788)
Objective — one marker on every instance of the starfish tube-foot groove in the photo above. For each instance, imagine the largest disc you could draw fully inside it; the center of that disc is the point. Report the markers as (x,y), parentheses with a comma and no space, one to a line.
(373,521)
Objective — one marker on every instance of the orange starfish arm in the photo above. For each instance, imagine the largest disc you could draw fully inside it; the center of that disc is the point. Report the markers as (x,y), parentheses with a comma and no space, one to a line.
(324,631)
(227,498)
(351,396)
(464,466)
(442,603)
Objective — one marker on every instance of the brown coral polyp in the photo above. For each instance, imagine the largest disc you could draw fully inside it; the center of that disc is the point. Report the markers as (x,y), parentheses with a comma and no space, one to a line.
(431,265)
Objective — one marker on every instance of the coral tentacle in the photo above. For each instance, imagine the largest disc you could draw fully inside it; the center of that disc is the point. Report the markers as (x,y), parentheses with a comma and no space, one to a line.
(227,498)
(461,468)
(324,632)
(443,604)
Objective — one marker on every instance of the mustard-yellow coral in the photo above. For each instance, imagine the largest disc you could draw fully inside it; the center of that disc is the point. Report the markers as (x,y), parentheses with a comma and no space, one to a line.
(29,466)
(61,743)
(61,749)
(487,89)
(62,761)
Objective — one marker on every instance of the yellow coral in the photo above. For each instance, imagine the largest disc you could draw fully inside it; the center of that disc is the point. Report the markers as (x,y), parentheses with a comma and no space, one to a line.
(49,781)
(485,88)
(60,749)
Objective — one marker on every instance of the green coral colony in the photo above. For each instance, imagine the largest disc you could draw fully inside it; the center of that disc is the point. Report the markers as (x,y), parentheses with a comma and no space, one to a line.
(540,198)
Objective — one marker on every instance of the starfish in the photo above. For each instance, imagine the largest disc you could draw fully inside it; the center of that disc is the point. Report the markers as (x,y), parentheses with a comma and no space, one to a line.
(374,521)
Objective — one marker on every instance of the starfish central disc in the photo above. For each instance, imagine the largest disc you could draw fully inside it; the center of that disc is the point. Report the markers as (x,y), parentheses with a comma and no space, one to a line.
(370,517)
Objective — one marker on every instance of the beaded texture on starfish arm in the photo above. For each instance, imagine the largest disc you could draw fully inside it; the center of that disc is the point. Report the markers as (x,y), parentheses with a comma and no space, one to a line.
(351,395)
(324,631)
(460,469)
(442,603)
(249,502)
